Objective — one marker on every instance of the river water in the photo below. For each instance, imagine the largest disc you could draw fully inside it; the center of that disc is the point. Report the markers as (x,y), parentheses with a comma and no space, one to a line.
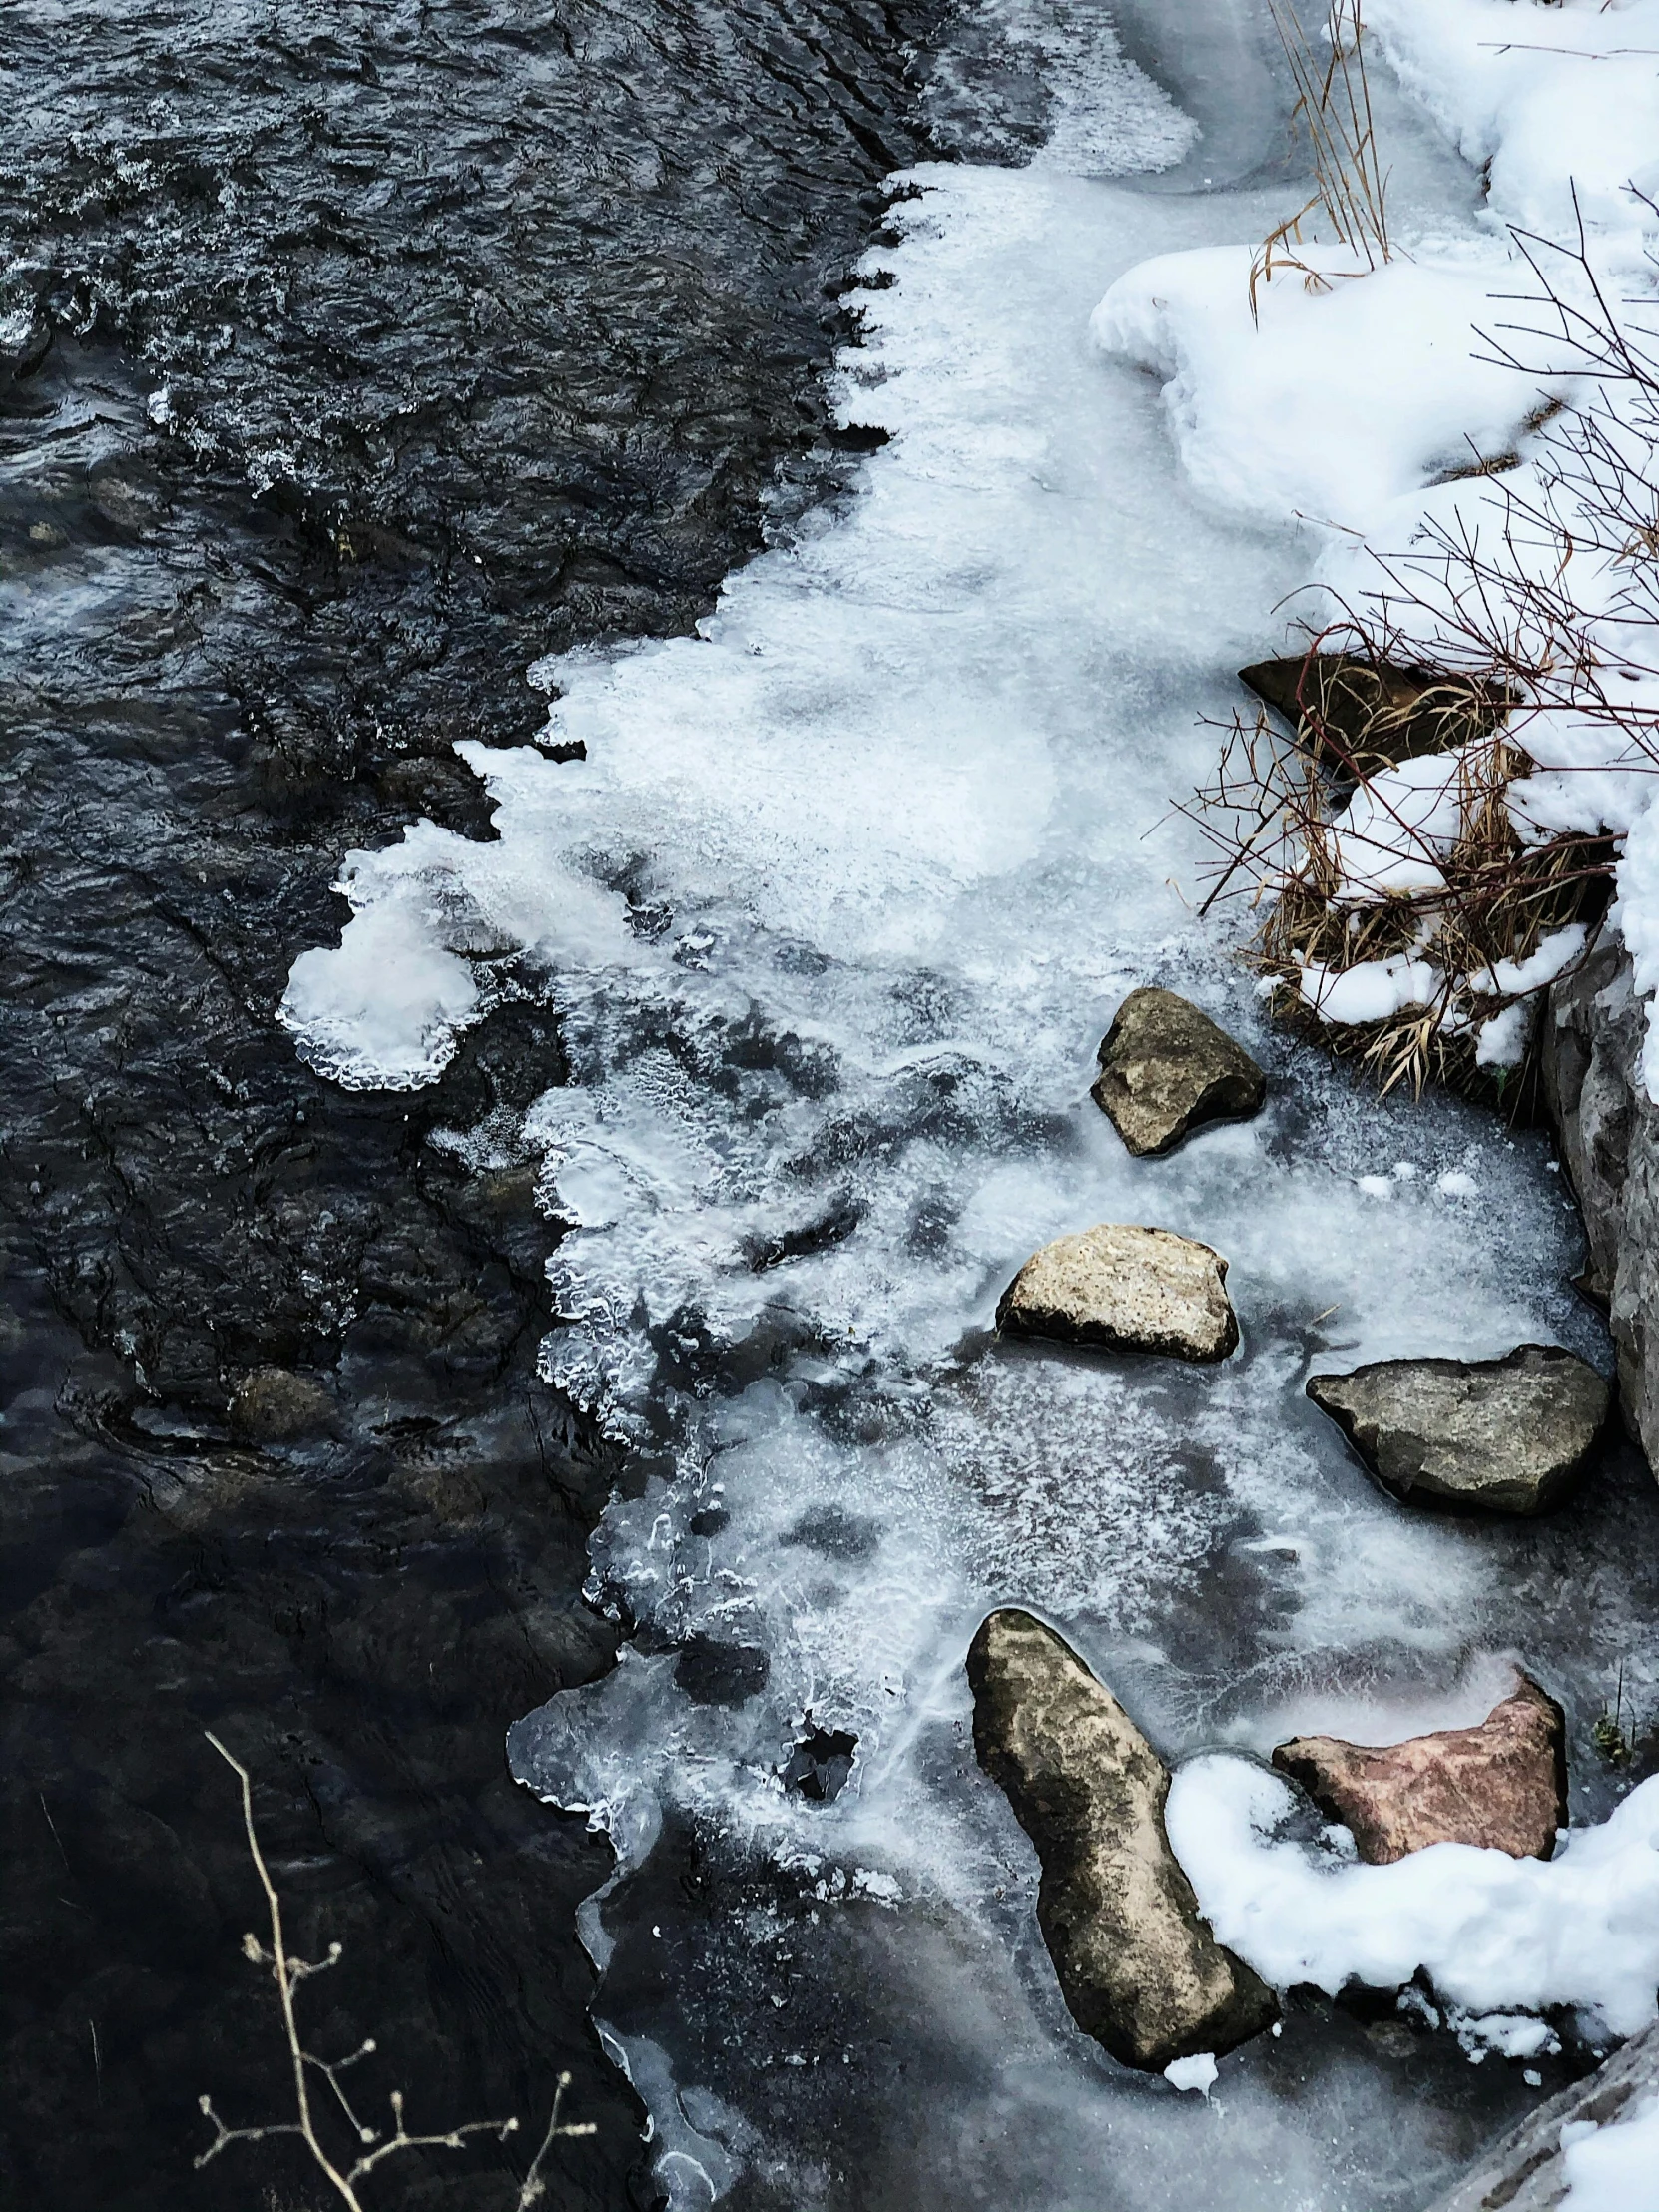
(763,1022)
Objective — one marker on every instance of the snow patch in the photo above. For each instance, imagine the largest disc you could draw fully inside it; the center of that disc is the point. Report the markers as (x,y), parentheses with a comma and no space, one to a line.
(1496,1934)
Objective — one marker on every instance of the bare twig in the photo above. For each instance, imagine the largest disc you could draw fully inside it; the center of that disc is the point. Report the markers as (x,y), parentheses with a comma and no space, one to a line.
(288,1973)
(534,2187)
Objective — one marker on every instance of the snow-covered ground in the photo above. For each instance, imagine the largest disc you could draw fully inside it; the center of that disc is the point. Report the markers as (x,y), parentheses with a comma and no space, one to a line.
(1363,401)
(836,909)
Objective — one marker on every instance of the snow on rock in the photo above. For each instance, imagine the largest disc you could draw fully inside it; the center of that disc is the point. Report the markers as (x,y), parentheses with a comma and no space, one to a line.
(1613,2168)
(1496,1934)
(382,1010)
(1582,779)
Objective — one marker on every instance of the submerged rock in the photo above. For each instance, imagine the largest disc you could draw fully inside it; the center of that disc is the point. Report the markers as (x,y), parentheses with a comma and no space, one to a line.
(274,1406)
(1166,1069)
(1501,1786)
(1507,1435)
(819,1762)
(1139,1969)
(1128,1290)
(1356,716)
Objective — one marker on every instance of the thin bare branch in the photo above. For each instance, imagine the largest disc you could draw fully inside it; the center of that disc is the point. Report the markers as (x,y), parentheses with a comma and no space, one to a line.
(374,2149)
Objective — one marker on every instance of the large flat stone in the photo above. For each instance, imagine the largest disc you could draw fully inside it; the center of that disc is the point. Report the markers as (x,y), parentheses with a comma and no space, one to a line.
(1166,1070)
(1501,1786)
(1505,1435)
(1127,1290)
(1139,1969)
(1356,716)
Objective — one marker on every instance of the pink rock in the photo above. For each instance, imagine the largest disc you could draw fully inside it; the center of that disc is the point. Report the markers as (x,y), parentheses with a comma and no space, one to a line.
(1502,1786)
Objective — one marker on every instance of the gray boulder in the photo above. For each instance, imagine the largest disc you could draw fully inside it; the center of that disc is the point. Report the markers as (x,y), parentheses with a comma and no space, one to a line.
(1593,1029)
(1139,1969)
(1507,1435)
(1126,1290)
(1166,1070)
(1524,2170)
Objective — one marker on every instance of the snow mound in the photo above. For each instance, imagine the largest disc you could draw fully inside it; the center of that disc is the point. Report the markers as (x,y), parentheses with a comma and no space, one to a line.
(1494,1934)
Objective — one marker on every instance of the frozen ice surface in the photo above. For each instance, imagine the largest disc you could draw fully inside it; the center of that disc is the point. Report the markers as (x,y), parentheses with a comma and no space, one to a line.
(836,911)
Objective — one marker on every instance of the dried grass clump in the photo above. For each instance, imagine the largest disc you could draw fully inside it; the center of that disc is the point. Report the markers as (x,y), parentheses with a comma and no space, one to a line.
(1334,106)
(1536,612)
(1275,809)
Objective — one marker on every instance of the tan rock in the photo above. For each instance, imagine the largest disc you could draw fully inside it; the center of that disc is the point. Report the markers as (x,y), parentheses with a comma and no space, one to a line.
(1128,1290)
(1139,1969)
(1501,1786)
(1166,1070)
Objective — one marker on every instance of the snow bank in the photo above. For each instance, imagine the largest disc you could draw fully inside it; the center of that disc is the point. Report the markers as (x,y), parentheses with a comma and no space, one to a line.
(1496,1934)
(1364,401)
(1547,96)
(1335,402)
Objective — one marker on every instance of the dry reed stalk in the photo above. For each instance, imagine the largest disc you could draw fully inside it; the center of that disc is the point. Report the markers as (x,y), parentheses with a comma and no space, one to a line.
(1334,104)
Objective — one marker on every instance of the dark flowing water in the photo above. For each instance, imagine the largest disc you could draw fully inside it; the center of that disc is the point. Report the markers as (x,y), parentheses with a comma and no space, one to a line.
(353,357)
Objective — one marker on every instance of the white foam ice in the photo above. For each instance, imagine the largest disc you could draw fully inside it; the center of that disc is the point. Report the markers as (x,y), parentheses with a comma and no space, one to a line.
(835,910)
